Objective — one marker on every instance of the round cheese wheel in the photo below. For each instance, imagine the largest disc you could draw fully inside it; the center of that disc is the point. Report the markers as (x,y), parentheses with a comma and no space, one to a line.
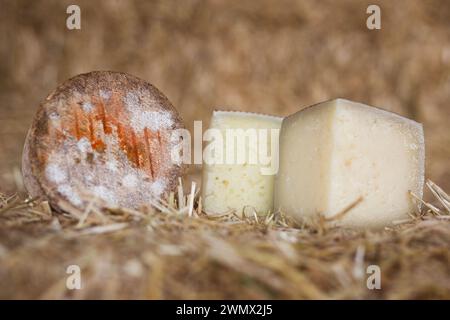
(102,135)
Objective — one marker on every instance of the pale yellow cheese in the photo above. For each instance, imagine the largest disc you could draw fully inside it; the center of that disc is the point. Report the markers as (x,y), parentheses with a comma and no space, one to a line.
(235,186)
(338,152)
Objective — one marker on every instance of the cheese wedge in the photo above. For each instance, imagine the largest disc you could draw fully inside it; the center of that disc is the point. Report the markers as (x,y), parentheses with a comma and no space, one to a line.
(236,176)
(350,162)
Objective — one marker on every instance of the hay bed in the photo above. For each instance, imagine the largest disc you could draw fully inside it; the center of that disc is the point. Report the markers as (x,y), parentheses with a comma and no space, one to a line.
(179,252)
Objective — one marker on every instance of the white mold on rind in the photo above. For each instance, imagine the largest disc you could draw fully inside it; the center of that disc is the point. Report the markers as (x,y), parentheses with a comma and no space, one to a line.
(84,144)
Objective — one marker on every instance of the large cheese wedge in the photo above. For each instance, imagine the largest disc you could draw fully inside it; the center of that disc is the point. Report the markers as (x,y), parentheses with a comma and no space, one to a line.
(341,153)
(236,185)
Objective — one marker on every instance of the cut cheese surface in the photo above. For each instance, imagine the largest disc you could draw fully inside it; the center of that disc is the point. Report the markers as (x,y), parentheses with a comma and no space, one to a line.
(339,153)
(234,186)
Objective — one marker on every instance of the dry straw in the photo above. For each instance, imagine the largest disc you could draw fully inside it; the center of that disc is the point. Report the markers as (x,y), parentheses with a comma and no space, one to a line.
(175,250)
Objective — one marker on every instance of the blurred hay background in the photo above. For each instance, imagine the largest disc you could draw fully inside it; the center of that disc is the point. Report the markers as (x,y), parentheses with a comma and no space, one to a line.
(265,56)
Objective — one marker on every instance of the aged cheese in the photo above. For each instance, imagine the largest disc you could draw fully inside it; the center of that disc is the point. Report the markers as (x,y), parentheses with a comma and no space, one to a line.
(236,185)
(338,152)
(104,135)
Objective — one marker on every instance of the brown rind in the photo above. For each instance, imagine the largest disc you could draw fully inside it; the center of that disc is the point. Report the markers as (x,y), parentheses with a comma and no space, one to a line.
(110,114)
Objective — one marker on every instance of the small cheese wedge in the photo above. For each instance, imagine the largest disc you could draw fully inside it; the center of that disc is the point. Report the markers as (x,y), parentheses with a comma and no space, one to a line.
(341,156)
(243,179)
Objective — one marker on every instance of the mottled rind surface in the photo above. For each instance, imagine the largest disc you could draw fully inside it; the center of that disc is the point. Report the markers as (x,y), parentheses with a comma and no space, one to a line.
(102,134)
